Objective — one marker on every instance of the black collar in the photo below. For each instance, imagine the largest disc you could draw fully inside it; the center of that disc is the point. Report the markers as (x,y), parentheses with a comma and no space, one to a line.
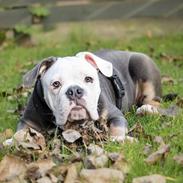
(39,103)
(118,89)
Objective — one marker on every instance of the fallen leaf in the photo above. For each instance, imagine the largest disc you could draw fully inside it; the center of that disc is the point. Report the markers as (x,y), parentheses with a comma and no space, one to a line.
(101,175)
(44,180)
(137,130)
(165,79)
(150,179)
(147,149)
(119,162)
(32,174)
(96,161)
(171,111)
(29,139)
(71,135)
(158,155)
(113,156)
(72,173)
(60,171)
(159,140)
(43,166)
(97,157)
(94,149)
(179,159)
(90,130)
(7,133)
(11,167)
(180,102)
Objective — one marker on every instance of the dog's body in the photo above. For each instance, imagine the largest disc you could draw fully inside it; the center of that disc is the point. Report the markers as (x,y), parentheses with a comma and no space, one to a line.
(79,88)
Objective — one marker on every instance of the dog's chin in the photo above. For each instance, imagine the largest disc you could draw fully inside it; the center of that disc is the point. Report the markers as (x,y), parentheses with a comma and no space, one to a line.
(78,113)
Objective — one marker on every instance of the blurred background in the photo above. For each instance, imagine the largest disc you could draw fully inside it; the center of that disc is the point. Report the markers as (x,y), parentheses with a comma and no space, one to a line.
(116,18)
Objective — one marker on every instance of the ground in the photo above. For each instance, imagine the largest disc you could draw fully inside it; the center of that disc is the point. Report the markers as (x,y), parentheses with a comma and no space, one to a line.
(165,47)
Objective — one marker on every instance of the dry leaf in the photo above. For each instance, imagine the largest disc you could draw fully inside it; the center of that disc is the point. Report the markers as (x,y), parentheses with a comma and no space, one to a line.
(90,130)
(94,149)
(179,159)
(167,80)
(137,130)
(101,175)
(44,180)
(97,157)
(159,140)
(30,139)
(96,161)
(180,102)
(150,179)
(119,162)
(7,133)
(43,166)
(158,155)
(11,167)
(71,135)
(72,174)
(147,149)
(171,111)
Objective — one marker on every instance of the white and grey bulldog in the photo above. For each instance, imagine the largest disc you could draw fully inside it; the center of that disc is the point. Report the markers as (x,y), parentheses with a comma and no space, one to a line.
(79,88)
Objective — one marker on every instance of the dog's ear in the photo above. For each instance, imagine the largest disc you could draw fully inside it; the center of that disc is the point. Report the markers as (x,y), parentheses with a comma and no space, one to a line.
(104,66)
(31,76)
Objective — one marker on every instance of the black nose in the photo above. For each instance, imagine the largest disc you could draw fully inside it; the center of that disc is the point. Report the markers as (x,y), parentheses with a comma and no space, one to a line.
(74,92)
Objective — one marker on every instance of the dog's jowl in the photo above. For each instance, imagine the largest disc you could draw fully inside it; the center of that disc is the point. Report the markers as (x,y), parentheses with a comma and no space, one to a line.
(85,86)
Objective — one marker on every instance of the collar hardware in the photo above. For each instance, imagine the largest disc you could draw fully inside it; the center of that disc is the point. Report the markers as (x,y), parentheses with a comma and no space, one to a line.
(119,89)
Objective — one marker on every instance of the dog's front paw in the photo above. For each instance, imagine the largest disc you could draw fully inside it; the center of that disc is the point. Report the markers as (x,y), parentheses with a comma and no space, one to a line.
(120,138)
(147,109)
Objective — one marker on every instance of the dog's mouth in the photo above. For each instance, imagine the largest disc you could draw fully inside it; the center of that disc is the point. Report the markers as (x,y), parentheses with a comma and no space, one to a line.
(78,113)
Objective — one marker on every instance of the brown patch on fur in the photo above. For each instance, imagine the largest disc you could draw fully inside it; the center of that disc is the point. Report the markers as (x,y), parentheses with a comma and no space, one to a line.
(145,94)
(104,114)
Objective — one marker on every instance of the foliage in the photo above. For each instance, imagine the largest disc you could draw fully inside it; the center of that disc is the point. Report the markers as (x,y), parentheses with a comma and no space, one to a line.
(39,11)
(21,28)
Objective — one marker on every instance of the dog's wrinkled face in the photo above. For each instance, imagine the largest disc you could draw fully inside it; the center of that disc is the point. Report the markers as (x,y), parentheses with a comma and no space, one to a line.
(71,90)
(71,85)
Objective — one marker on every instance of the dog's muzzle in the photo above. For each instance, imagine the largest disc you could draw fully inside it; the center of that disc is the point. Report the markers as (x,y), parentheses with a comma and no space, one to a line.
(78,111)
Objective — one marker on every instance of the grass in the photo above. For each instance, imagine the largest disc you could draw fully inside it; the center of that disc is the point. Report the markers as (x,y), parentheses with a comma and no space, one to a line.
(15,59)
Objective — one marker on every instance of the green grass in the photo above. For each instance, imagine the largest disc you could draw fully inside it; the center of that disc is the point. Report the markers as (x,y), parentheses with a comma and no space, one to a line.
(14,59)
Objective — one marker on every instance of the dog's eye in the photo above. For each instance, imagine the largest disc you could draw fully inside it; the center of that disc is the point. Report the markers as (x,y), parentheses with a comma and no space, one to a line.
(56,84)
(88,79)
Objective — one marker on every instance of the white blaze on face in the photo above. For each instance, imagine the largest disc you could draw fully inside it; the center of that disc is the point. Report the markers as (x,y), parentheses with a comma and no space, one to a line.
(71,71)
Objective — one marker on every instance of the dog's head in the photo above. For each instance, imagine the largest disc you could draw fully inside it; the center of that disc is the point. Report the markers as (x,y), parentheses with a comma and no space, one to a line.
(71,85)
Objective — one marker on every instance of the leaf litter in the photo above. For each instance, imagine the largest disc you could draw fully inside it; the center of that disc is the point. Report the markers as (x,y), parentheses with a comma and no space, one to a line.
(34,159)
(73,156)
(160,154)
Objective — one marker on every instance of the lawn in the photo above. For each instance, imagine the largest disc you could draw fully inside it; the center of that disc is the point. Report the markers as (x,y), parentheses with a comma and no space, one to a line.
(167,52)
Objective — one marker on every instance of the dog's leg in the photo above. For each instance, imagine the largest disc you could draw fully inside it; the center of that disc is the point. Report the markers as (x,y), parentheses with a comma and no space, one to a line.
(147,79)
(118,129)
(117,123)
(147,99)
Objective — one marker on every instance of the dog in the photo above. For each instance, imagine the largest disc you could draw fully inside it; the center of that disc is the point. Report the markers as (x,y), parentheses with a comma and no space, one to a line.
(89,85)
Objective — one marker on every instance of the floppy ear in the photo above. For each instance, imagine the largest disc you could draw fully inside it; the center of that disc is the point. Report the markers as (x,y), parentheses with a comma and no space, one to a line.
(31,76)
(104,66)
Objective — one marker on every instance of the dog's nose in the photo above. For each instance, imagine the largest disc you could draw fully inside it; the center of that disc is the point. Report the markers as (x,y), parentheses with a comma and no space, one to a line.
(74,92)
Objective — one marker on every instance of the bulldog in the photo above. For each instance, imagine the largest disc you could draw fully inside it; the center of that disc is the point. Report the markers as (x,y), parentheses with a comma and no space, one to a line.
(89,85)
